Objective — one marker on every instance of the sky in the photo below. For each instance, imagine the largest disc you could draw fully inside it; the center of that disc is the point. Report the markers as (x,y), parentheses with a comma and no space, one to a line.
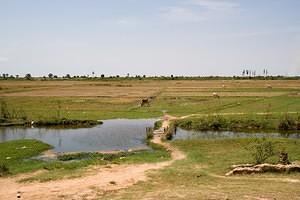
(151,37)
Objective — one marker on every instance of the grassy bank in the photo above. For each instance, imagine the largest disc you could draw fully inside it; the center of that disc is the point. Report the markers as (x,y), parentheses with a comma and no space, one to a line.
(66,123)
(51,123)
(15,158)
(201,175)
(14,155)
(241,123)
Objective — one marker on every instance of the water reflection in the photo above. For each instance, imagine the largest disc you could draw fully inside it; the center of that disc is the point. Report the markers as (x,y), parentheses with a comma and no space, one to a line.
(119,134)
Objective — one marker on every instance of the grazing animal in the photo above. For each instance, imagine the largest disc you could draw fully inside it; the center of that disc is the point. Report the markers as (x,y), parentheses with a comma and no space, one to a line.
(145,102)
(269,86)
(215,95)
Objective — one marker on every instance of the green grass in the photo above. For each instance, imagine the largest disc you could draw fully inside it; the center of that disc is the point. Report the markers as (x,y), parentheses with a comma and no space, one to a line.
(15,155)
(95,108)
(283,122)
(219,155)
(201,175)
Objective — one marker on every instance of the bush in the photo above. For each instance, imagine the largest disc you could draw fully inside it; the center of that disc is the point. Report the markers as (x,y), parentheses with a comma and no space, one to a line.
(286,124)
(169,136)
(261,150)
(4,170)
(217,123)
(157,124)
(149,135)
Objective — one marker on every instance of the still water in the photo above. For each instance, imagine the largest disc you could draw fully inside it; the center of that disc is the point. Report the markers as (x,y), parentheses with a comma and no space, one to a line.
(185,134)
(117,134)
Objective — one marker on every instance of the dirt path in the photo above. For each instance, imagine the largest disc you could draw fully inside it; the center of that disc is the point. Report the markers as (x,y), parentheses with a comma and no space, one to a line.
(226,114)
(97,180)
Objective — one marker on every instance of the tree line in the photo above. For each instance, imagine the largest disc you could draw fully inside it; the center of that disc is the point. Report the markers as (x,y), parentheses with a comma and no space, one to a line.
(246,74)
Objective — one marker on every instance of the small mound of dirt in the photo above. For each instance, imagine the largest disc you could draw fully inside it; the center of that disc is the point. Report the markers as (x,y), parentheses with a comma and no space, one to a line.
(262,168)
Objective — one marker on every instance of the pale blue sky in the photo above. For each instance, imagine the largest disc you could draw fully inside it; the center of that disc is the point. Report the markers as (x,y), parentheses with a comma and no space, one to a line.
(152,37)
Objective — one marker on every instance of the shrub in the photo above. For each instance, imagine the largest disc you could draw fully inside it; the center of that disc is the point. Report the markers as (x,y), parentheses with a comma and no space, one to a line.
(4,170)
(157,124)
(187,124)
(149,135)
(286,124)
(169,135)
(217,123)
(261,150)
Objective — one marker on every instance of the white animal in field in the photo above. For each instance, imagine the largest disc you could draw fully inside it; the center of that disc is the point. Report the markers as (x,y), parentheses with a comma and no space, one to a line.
(215,95)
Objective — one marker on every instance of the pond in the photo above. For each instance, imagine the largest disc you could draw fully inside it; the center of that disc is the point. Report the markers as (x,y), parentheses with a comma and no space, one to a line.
(188,134)
(117,134)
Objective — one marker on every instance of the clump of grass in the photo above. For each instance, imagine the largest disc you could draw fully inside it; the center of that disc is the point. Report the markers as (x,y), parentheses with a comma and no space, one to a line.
(79,156)
(14,116)
(149,135)
(287,123)
(4,112)
(4,170)
(158,124)
(261,150)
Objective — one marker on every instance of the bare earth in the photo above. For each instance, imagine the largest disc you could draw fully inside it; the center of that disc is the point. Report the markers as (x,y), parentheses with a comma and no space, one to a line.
(97,180)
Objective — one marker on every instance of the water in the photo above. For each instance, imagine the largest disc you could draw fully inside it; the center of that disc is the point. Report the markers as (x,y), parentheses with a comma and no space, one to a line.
(184,134)
(117,134)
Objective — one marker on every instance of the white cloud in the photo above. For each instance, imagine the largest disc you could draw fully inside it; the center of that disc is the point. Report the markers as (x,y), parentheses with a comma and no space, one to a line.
(3,59)
(198,10)
(181,14)
(126,22)
(217,5)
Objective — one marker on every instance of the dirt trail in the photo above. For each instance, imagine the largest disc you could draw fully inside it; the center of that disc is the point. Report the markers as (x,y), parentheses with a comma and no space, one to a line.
(226,114)
(97,180)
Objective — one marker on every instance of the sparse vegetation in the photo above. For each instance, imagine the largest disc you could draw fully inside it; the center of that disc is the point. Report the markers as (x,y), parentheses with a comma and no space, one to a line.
(261,150)
(287,123)
(66,123)
(241,123)
(3,170)
(157,124)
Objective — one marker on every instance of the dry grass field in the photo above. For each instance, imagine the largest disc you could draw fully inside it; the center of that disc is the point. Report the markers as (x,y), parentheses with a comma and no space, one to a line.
(121,98)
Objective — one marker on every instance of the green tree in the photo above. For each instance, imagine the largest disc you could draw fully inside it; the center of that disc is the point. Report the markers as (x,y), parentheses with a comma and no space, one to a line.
(28,77)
